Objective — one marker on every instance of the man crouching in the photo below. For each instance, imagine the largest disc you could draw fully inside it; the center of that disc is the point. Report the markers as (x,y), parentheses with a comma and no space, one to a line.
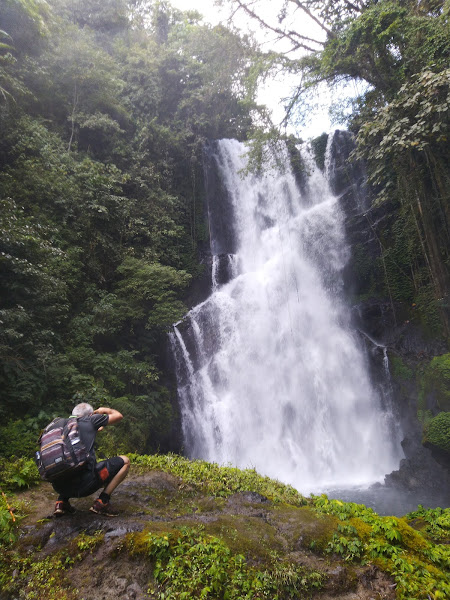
(94,475)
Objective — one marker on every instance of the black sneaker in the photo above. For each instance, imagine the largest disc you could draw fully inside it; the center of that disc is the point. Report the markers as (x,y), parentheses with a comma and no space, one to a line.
(63,507)
(103,508)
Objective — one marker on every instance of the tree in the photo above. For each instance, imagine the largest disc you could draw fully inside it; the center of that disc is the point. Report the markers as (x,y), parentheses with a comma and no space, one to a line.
(102,122)
(23,30)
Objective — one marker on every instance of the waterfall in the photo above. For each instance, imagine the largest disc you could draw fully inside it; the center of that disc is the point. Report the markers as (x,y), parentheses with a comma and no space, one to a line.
(270,374)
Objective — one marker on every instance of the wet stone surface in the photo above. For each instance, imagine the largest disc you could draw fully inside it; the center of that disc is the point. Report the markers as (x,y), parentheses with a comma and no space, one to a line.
(157,502)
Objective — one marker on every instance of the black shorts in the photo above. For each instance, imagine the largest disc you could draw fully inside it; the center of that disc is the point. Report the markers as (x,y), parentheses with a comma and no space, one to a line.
(89,480)
(108,469)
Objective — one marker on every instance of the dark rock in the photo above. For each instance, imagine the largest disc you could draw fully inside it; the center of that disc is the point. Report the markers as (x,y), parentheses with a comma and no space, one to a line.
(251,497)
(347,178)
(219,208)
(135,592)
(224,268)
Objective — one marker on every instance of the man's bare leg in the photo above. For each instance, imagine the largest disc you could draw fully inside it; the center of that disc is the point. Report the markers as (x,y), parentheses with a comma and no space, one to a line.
(101,505)
(119,477)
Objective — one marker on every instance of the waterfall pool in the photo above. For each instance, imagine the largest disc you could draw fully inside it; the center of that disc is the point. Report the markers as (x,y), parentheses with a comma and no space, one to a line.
(388,501)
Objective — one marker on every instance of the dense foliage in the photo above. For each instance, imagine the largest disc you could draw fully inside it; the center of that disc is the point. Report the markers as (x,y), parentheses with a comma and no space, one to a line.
(418,564)
(192,564)
(104,107)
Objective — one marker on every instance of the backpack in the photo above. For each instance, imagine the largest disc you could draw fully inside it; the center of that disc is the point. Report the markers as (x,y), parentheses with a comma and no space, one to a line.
(61,449)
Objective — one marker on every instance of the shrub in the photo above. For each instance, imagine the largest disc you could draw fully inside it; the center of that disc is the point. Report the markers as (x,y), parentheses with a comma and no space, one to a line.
(19,474)
(437,432)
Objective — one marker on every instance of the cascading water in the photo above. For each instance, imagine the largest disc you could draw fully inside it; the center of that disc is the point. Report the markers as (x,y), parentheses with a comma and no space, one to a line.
(270,375)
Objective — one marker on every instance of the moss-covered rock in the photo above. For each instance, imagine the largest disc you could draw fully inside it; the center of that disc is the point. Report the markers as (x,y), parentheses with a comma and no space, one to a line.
(319,148)
(437,432)
(435,384)
(399,369)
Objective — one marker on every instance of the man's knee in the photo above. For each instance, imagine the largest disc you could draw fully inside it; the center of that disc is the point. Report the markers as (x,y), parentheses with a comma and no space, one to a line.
(126,462)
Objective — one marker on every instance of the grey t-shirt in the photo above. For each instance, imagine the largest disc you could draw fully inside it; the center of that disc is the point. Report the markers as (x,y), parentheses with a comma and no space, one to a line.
(88,427)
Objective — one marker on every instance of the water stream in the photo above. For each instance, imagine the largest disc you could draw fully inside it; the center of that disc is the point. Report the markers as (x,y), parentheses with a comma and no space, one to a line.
(270,373)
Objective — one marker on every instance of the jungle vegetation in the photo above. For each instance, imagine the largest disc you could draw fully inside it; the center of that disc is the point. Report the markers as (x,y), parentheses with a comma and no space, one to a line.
(104,109)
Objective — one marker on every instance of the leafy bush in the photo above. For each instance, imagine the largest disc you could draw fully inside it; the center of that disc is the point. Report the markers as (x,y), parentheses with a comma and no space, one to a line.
(319,148)
(220,481)
(20,437)
(437,432)
(19,474)
(418,566)
(146,424)
(8,522)
(436,520)
(190,564)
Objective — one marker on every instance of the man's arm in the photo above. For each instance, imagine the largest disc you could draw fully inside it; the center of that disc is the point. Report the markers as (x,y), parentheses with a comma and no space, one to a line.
(114,415)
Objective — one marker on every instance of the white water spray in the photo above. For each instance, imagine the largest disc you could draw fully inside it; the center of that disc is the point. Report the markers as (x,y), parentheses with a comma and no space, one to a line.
(270,375)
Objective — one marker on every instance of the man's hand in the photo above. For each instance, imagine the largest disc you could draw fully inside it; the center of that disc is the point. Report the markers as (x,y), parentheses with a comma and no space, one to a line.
(114,415)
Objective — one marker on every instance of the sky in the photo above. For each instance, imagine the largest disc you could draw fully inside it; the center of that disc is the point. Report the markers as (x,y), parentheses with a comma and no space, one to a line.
(275,90)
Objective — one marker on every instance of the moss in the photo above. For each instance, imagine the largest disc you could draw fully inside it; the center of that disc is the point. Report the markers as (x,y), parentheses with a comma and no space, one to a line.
(209,504)
(362,528)
(399,370)
(427,308)
(303,528)
(424,416)
(364,273)
(411,539)
(437,432)
(436,381)
(46,579)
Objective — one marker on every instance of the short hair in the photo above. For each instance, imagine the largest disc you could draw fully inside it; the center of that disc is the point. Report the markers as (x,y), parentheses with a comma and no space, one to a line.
(82,410)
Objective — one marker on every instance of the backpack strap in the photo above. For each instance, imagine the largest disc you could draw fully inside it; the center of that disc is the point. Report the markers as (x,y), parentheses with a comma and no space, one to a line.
(66,436)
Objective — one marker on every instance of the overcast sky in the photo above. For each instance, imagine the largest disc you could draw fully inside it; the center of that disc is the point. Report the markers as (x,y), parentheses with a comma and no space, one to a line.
(276,90)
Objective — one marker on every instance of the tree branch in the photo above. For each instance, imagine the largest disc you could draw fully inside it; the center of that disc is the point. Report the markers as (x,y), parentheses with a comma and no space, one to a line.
(306,10)
(72,118)
(352,6)
(293,37)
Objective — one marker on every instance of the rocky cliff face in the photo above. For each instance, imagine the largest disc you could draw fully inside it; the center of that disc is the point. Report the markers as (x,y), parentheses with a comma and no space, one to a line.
(383,322)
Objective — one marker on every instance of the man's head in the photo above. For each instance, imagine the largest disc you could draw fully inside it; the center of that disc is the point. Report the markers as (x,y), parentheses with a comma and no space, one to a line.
(82,410)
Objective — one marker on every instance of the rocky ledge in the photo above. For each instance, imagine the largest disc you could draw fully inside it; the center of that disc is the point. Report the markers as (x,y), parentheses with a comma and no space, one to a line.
(192,529)
(85,555)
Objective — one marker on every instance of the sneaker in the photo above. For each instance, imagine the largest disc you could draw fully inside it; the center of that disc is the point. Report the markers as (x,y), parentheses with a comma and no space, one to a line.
(63,507)
(103,508)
